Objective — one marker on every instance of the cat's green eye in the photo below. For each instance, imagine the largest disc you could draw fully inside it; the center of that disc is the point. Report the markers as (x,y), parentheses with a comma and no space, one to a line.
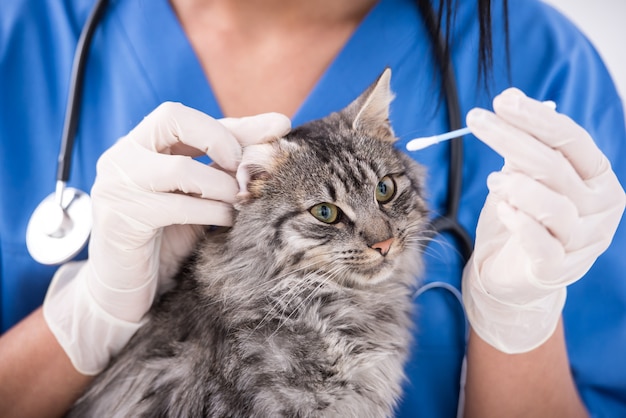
(326,212)
(385,190)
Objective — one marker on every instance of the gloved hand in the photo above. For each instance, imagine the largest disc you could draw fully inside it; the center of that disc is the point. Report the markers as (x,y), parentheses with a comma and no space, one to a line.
(149,200)
(551,211)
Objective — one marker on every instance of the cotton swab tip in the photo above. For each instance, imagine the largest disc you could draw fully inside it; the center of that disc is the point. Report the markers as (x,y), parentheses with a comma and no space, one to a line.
(550,103)
(421,143)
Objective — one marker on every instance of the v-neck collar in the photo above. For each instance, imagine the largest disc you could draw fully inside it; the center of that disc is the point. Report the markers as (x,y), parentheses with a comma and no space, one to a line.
(164,53)
(375,45)
(175,73)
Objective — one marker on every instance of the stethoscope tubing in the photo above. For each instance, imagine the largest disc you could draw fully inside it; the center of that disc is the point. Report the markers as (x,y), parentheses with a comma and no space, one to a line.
(449,221)
(74,102)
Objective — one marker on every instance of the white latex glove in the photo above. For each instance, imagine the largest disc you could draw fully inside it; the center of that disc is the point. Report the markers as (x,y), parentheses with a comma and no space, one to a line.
(551,211)
(149,200)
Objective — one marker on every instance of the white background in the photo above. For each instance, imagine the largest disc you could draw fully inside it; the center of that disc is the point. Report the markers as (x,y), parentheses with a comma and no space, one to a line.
(604,23)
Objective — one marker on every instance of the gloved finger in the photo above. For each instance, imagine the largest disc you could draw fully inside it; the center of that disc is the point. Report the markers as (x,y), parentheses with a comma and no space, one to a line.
(138,221)
(526,154)
(257,129)
(543,253)
(554,129)
(185,175)
(146,170)
(557,212)
(180,209)
(137,224)
(554,211)
(247,130)
(545,263)
(173,123)
(604,192)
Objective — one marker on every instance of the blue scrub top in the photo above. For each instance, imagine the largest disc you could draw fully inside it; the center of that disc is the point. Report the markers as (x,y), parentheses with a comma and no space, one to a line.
(140,58)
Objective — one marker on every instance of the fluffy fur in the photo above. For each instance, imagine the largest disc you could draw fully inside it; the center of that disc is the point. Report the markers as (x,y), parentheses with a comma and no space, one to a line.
(285,315)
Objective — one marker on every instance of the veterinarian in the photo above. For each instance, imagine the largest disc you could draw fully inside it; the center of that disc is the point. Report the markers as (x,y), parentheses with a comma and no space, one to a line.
(544,289)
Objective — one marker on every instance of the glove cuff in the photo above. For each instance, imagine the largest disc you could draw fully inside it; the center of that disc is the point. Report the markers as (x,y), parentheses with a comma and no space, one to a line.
(89,335)
(510,328)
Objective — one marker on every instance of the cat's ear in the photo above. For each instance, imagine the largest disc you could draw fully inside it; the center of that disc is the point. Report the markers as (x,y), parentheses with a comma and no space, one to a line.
(256,165)
(370,111)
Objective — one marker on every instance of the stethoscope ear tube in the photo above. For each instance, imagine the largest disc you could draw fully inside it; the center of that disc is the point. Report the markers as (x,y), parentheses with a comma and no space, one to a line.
(74,101)
(60,226)
(449,221)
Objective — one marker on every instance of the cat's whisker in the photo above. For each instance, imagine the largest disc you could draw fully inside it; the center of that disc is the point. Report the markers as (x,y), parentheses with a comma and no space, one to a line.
(326,277)
(233,296)
(293,291)
(307,278)
(438,251)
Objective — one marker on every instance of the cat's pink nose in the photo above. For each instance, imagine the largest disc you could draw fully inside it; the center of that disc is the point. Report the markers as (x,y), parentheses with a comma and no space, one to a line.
(383,246)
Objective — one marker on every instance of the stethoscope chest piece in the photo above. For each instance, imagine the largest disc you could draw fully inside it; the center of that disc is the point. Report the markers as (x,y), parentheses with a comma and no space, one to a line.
(59,227)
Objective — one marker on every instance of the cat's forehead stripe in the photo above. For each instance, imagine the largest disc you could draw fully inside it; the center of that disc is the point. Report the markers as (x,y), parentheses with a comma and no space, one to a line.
(348,162)
(331,190)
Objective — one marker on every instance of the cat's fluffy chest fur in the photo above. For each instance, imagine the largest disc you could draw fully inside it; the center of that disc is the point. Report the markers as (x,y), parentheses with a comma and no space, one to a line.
(303,308)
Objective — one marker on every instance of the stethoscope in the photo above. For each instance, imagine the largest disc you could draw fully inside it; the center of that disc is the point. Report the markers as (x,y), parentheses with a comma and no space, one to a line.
(59,227)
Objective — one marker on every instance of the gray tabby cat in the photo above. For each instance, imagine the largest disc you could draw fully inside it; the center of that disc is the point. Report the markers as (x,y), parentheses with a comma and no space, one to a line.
(303,307)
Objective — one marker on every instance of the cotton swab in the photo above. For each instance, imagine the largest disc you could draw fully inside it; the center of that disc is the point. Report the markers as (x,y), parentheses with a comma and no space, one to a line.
(424,142)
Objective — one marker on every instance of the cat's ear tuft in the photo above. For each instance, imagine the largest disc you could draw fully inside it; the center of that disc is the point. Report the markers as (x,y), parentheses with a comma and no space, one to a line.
(371,109)
(256,166)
